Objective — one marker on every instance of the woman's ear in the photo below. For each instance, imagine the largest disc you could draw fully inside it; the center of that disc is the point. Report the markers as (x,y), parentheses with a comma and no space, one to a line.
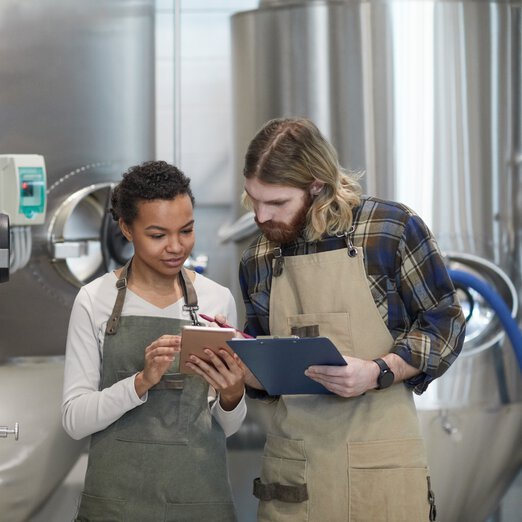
(316,187)
(125,229)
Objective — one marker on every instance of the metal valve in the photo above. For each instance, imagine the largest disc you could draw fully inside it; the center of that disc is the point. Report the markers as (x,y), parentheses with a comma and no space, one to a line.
(5,431)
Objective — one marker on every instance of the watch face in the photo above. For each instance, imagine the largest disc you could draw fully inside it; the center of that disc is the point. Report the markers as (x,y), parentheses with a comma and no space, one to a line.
(386,379)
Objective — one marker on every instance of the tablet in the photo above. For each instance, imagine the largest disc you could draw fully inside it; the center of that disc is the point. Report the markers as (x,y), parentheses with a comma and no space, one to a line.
(279,363)
(194,339)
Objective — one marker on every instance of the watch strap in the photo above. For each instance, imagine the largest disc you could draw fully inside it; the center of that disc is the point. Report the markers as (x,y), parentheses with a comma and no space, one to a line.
(384,370)
(382,365)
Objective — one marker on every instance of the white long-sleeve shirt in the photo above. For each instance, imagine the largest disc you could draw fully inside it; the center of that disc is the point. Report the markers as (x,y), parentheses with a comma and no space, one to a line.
(85,408)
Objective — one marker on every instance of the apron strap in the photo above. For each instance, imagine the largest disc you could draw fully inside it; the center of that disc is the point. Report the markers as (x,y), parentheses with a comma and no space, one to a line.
(279,262)
(169,381)
(121,285)
(189,296)
(282,492)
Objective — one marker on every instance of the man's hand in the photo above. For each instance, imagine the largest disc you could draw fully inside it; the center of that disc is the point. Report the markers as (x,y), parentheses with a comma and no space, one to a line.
(352,380)
(359,375)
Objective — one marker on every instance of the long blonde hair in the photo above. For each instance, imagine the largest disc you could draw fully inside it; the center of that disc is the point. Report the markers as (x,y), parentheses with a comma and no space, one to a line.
(293,152)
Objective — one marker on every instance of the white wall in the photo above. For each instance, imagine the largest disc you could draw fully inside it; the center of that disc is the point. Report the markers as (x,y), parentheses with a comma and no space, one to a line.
(194,112)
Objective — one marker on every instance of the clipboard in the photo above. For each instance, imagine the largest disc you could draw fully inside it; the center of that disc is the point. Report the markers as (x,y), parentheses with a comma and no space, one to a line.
(279,363)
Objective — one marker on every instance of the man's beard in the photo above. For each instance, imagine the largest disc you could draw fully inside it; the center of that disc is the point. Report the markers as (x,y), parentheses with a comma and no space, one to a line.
(286,232)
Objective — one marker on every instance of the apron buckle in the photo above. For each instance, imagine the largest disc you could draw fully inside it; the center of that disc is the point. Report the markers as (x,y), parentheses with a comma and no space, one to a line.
(192,309)
(431,500)
(279,262)
(352,251)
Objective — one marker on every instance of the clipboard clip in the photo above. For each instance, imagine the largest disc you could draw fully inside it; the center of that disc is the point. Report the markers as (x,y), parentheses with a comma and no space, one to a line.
(262,337)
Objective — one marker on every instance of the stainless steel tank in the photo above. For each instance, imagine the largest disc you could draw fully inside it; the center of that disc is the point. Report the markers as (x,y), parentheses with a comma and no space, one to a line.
(76,86)
(426,97)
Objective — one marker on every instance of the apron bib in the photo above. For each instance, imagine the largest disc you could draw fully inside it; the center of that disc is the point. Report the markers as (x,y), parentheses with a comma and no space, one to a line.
(164,460)
(327,457)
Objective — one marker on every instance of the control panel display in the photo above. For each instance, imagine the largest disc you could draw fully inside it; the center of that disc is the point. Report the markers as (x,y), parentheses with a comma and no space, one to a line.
(32,190)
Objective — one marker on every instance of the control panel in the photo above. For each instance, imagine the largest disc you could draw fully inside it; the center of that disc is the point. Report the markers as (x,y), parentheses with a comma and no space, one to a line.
(23,182)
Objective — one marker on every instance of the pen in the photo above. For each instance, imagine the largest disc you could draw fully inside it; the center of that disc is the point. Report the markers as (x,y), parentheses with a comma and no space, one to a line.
(224,325)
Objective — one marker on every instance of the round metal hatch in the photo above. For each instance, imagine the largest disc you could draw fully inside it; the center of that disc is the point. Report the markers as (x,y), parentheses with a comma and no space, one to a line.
(483,328)
(84,240)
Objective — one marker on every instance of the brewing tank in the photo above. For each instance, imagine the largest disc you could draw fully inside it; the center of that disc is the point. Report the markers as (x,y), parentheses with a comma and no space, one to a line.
(426,98)
(76,87)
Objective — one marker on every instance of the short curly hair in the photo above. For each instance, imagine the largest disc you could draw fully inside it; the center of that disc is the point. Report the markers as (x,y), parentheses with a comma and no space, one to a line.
(148,181)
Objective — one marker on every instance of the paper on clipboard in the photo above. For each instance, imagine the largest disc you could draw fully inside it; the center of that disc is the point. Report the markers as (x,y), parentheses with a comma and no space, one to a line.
(279,363)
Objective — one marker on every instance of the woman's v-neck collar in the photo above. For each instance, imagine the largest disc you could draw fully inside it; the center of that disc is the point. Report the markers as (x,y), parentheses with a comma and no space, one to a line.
(138,296)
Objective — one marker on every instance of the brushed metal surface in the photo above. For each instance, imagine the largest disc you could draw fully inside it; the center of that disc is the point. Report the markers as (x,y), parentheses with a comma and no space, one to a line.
(77,86)
(35,464)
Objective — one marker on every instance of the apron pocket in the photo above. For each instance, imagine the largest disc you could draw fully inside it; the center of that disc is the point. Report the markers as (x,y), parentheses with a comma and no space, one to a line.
(335,326)
(162,419)
(217,512)
(282,487)
(99,509)
(388,481)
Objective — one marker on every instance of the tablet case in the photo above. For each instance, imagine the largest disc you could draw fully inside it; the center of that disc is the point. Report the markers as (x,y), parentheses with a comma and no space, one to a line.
(194,339)
(279,363)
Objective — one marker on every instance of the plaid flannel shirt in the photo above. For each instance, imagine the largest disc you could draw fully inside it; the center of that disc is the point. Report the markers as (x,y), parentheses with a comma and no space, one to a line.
(406,275)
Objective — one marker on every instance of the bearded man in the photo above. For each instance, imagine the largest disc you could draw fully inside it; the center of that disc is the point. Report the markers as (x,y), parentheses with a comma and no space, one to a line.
(368,274)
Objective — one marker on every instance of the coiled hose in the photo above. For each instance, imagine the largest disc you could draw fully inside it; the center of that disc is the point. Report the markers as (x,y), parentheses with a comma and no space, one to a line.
(496,302)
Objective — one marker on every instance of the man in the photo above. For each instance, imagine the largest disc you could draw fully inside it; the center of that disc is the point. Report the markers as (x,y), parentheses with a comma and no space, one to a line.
(368,274)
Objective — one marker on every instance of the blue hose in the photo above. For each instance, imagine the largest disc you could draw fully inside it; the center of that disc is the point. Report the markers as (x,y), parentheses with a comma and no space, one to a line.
(497,303)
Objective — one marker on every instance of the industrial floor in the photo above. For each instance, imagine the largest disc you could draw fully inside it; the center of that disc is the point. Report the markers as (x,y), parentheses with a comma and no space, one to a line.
(61,506)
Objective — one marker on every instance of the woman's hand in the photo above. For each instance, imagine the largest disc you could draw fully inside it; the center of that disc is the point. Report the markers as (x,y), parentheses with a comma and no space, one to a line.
(224,372)
(158,358)
(250,378)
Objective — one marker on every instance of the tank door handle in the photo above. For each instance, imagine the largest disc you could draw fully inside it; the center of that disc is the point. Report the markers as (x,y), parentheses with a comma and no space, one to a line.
(5,431)
(66,249)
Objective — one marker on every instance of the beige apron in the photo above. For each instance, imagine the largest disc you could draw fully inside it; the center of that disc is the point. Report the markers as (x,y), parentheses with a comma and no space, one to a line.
(329,458)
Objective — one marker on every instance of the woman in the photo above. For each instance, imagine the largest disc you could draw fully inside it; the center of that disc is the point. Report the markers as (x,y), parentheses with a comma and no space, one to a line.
(157,449)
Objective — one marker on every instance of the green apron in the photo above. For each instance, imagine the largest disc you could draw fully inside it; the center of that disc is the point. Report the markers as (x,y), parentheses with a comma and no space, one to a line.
(329,458)
(164,460)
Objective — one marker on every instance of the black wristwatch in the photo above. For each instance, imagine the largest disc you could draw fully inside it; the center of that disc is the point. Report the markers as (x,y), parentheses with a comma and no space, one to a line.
(386,377)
